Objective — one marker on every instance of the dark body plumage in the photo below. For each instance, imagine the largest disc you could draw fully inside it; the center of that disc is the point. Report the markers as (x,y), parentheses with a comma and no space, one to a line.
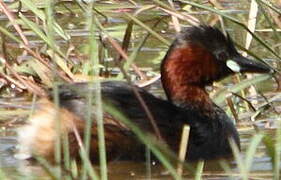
(205,130)
(199,56)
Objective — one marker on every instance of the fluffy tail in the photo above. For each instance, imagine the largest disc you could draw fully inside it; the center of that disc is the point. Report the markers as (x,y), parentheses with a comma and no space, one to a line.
(38,137)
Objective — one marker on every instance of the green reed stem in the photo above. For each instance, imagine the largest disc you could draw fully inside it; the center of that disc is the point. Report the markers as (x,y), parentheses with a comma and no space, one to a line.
(54,172)
(66,155)
(2,174)
(143,138)
(88,166)
(183,148)
(148,162)
(50,37)
(239,160)
(199,170)
(87,130)
(94,59)
(10,35)
(152,32)
(277,157)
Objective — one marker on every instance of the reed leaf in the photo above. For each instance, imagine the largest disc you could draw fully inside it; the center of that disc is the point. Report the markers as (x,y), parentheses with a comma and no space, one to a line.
(152,32)
(144,138)
(220,96)
(10,35)
(36,29)
(239,160)
(250,153)
(94,59)
(236,22)
(199,170)
(40,14)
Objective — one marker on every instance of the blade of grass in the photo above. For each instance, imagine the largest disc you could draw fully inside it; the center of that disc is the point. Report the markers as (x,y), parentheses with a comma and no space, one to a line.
(190,19)
(199,170)
(270,148)
(39,13)
(117,47)
(252,148)
(8,113)
(152,32)
(270,5)
(183,148)
(60,62)
(66,152)
(236,22)
(2,174)
(10,35)
(252,20)
(36,29)
(31,87)
(225,166)
(32,6)
(50,40)
(268,19)
(175,20)
(42,71)
(245,165)
(136,50)
(57,122)
(87,166)
(94,59)
(37,56)
(11,17)
(277,154)
(238,159)
(148,163)
(144,138)
(138,96)
(220,96)
(52,171)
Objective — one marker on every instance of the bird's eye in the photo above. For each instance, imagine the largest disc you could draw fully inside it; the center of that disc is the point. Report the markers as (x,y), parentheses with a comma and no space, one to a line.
(221,56)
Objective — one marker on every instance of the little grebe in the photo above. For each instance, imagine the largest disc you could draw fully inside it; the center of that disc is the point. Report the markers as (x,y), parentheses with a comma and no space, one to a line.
(199,56)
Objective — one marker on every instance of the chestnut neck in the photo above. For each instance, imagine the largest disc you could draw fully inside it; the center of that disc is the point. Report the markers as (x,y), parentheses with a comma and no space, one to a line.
(185,71)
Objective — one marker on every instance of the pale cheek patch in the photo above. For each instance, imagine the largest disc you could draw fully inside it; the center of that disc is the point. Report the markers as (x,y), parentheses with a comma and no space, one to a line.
(233,65)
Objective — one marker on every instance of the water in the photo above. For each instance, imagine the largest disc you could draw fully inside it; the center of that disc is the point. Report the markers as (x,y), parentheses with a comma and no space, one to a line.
(15,168)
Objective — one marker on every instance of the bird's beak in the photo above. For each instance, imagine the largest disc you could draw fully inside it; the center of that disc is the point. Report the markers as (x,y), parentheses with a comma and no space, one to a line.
(242,64)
